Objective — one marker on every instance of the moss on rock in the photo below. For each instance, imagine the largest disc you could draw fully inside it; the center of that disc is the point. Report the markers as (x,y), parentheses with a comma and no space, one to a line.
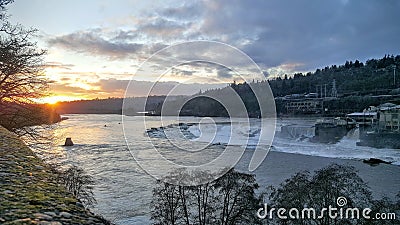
(30,192)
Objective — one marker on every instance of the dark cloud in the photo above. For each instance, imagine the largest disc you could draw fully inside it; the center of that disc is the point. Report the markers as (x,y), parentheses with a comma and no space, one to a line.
(305,33)
(58,65)
(163,29)
(199,67)
(181,72)
(64,88)
(309,33)
(142,88)
(187,11)
(92,42)
(125,35)
(80,74)
(314,33)
(224,72)
(112,85)
(121,44)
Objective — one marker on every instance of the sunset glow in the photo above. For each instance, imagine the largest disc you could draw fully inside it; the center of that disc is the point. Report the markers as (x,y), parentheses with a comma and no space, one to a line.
(95,53)
(56,99)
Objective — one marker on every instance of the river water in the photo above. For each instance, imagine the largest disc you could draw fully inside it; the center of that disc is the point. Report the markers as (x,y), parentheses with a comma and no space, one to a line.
(123,190)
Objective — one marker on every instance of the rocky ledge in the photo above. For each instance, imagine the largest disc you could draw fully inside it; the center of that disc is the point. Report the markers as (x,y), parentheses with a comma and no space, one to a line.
(30,192)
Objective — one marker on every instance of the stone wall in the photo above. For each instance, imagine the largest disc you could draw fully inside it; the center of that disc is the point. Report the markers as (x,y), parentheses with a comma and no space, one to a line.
(30,192)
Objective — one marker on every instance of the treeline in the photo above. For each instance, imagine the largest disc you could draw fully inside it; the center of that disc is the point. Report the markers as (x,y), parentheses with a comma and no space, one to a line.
(15,117)
(305,197)
(94,106)
(22,78)
(110,105)
(216,102)
(357,85)
(375,76)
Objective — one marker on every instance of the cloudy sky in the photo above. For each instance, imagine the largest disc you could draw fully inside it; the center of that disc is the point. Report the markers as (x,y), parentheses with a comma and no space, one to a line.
(96,46)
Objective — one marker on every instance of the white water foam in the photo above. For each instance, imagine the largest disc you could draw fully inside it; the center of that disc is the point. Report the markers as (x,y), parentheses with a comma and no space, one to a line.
(300,144)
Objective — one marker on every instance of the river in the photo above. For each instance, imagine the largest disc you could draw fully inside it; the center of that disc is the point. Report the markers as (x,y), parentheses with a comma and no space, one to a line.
(123,190)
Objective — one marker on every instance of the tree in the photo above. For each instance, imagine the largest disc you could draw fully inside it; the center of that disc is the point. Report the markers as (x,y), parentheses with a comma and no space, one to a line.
(386,205)
(230,199)
(236,193)
(357,64)
(79,184)
(21,63)
(22,79)
(323,190)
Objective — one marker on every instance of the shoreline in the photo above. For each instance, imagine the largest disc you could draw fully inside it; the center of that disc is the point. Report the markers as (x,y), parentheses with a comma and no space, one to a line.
(31,192)
(383,179)
(124,191)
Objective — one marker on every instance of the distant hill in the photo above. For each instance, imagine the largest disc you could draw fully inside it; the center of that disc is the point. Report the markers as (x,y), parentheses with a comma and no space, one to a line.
(375,76)
(95,106)
(110,105)
(358,85)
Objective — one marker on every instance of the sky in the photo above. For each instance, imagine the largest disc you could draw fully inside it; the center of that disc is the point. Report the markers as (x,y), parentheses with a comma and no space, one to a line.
(95,47)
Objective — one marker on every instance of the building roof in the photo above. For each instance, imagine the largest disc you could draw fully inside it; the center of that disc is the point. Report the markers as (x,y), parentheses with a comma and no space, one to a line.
(362,114)
(388,106)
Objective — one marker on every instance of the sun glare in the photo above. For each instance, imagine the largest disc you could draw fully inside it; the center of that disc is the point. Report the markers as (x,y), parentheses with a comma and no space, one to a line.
(55,99)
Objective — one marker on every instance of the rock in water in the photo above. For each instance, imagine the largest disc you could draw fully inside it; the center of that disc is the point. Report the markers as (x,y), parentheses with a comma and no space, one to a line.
(68,142)
(375,161)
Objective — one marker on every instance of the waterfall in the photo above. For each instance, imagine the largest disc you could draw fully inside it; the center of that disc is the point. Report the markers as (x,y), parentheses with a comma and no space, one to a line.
(353,134)
(297,131)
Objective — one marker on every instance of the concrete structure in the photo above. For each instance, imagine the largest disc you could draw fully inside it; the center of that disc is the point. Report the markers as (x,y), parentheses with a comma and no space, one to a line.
(307,106)
(388,118)
(385,132)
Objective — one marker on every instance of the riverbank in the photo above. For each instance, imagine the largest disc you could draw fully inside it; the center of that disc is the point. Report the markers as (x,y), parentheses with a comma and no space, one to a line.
(124,191)
(383,179)
(30,192)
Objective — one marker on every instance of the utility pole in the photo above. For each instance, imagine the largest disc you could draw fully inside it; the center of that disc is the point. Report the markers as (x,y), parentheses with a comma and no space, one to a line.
(334,90)
(321,90)
(394,75)
(325,90)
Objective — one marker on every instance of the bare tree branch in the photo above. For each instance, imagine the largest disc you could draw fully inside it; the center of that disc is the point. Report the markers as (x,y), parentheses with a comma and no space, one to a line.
(22,79)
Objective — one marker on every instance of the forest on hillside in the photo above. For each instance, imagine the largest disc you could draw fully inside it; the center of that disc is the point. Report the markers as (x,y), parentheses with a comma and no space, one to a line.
(357,83)
(375,76)
(110,105)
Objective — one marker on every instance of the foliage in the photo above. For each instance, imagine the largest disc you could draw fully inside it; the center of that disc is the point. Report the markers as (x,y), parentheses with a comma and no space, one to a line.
(321,190)
(230,199)
(385,205)
(21,63)
(22,79)
(356,85)
(355,78)
(17,118)
(79,184)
